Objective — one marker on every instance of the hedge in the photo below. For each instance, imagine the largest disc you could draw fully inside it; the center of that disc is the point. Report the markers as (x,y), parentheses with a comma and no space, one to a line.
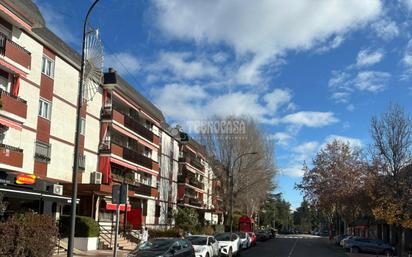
(85,227)
(28,234)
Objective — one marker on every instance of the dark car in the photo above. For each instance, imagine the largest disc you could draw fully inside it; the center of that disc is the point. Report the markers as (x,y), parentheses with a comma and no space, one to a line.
(164,247)
(369,246)
(262,235)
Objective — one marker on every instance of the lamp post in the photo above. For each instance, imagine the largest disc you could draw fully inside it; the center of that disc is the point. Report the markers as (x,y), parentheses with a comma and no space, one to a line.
(77,138)
(231,187)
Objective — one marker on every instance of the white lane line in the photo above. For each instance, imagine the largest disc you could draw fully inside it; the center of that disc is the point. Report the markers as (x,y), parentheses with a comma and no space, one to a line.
(293,248)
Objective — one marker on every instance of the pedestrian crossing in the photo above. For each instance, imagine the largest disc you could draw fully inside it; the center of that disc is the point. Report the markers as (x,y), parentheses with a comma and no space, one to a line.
(298,237)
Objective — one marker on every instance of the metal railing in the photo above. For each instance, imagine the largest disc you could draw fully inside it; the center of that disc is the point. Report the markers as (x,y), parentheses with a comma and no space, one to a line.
(106,235)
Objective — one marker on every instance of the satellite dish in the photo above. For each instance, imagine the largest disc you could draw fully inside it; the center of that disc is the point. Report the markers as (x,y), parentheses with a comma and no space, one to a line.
(93,64)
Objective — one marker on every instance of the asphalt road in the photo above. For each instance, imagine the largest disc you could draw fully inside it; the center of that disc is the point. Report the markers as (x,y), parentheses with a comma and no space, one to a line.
(294,246)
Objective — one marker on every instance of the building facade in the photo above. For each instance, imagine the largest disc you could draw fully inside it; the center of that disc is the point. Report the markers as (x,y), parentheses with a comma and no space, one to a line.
(39,87)
(124,137)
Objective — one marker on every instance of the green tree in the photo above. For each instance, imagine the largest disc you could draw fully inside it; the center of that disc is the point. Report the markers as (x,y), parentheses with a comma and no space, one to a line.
(186,219)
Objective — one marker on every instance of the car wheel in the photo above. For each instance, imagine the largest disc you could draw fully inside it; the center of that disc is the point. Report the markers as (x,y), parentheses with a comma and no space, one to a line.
(355,250)
(230,254)
(388,252)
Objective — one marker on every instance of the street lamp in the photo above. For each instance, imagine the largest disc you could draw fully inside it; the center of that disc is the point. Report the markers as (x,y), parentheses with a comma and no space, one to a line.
(231,187)
(77,138)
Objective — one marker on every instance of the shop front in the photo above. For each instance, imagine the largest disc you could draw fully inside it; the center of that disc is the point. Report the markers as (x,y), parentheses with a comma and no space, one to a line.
(21,192)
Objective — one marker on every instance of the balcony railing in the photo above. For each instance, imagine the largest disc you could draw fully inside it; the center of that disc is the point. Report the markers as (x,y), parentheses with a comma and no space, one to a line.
(137,127)
(192,161)
(13,104)
(185,178)
(42,152)
(129,154)
(15,52)
(142,189)
(11,155)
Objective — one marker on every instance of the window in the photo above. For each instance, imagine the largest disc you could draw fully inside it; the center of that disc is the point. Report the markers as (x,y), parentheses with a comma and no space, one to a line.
(157,211)
(47,66)
(4,81)
(147,152)
(44,109)
(82,126)
(42,152)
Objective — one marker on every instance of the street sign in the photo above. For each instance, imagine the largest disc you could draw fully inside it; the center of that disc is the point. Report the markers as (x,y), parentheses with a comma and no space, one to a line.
(119,194)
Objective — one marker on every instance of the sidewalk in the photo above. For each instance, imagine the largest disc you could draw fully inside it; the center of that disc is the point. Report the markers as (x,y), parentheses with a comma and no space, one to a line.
(97,253)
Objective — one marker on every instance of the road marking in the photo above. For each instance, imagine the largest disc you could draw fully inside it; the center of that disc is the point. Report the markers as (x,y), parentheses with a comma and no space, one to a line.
(293,247)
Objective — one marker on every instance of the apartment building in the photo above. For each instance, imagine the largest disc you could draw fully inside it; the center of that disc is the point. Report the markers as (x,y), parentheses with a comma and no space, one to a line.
(169,168)
(124,137)
(38,97)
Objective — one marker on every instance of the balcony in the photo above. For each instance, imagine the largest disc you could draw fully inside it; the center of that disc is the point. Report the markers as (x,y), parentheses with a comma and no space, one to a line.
(191,181)
(11,156)
(15,52)
(143,189)
(128,154)
(193,162)
(137,127)
(192,201)
(13,104)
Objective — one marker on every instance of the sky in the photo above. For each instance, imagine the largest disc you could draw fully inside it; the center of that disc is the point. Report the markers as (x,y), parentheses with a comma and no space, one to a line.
(307,71)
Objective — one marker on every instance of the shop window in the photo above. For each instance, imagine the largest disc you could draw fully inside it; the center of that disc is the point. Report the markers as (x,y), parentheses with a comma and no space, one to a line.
(157,211)
(42,152)
(45,109)
(47,66)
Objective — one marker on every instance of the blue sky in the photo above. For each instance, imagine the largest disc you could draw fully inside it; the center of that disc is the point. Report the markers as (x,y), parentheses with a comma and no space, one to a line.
(307,71)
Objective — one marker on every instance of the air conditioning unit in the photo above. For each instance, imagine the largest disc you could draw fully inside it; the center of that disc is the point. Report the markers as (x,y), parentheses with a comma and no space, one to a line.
(96,178)
(57,189)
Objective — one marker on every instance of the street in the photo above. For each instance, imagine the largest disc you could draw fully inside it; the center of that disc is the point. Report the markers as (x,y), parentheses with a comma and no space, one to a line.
(294,246)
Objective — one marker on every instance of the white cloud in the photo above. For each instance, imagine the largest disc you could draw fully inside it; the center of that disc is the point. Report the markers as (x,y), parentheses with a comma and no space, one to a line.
(184,65)
(372,81)
(180,101)
(310,119)
(353,142)
(263,29)
(294,171)
(277,98)
(368,57)
(282,138)
(407,61)
(341,97)
(408,4)
(123,62)
(386,29)
(332,44)
(220,57)
(306,151)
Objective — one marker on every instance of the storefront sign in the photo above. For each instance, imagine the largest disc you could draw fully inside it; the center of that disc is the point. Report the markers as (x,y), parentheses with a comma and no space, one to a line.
(25,179)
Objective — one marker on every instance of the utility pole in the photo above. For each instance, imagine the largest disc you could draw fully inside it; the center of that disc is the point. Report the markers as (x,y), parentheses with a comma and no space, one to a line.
(70,245)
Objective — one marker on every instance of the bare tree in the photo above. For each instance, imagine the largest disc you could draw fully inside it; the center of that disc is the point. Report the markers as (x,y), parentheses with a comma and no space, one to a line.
(390,186)
(253,174)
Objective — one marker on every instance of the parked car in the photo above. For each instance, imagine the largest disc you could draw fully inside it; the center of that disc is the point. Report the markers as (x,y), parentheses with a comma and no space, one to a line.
(229,244)
(344,240)
(262,235)
(205,246)
(357,245)
(164,247)
(339,238)
(244,240)
(252,238)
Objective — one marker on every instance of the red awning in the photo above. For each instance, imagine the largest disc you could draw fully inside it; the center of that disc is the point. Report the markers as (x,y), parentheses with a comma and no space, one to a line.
(112,207)
(105,169)
(11,124)
(16,86)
